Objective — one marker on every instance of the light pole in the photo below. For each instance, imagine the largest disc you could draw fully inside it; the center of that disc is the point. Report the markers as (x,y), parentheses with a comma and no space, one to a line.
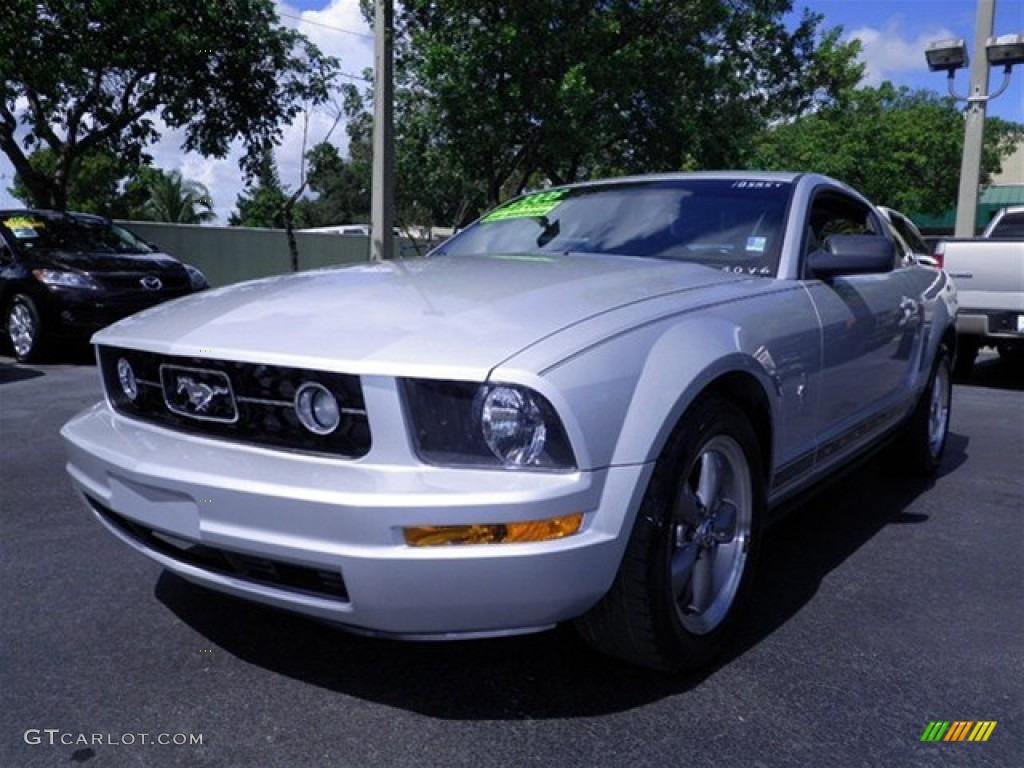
(951,55)
(382,193)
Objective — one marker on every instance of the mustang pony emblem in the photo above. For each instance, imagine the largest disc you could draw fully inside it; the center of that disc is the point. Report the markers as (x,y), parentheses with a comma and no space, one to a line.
(199,394)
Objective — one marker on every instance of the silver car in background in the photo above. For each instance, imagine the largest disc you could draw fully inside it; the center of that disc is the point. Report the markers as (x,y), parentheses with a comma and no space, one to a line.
(584,407)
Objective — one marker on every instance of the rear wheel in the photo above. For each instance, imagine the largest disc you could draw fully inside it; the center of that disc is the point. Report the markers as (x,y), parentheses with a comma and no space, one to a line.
(24,329)
(924,438)
(689,561)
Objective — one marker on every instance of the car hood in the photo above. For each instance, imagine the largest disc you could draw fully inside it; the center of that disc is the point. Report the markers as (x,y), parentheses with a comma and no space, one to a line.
(461,314)
(101,263)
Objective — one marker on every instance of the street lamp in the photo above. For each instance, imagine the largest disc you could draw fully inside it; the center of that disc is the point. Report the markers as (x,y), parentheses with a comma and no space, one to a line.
(949,56)
(1006,50)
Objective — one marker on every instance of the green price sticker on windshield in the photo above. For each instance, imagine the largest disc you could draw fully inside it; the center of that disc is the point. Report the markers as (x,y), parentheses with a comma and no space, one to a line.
(22,227)
(531,206)
(22,222)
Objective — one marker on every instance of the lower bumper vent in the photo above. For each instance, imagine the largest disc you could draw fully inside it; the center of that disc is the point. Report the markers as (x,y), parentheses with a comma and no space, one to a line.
(259,570)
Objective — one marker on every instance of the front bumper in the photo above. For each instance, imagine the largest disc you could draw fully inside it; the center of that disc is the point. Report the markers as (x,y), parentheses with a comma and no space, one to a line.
(77,314)
(323,536)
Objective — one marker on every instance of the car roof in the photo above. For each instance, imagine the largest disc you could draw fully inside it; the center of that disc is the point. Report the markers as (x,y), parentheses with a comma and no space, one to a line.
(791,177)
(784,176)
(48,213)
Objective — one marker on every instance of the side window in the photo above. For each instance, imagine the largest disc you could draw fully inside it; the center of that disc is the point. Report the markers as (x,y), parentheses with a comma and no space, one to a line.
(909,234)
(6,255)
(1010,226)
(903,244)
(836,214)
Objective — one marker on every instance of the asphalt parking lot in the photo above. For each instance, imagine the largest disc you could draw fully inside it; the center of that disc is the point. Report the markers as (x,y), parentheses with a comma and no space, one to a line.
(882,605)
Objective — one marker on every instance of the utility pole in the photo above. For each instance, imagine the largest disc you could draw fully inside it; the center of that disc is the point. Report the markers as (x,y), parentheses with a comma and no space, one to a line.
(382,202)
(974,132)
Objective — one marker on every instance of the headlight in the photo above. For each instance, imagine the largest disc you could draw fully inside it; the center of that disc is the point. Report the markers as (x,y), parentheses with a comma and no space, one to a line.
(513,426)
(196,279)
(466,424)
(63,279)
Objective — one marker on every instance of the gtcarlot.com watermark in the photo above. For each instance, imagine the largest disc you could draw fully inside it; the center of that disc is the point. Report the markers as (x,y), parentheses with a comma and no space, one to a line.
(55,736)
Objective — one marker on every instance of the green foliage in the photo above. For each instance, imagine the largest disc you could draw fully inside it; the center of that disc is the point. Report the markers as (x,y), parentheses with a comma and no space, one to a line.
(135,192)
(341,188)
(262,204)
(104,184)
(95,185)
(96,75)
(899,147)
(340,193)
(174,199)
(430,190)
(495,96)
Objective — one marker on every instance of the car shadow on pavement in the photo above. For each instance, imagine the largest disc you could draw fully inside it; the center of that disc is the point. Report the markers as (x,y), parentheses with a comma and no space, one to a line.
(551,674)
(994,372)
(10,373)
(819,535)
(67,353)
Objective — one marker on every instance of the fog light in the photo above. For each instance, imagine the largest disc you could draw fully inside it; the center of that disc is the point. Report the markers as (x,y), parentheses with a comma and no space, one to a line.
(317,408)
(126,376)
(499,533)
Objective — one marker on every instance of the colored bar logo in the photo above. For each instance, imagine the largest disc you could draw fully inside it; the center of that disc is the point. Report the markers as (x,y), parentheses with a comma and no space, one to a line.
(958,730)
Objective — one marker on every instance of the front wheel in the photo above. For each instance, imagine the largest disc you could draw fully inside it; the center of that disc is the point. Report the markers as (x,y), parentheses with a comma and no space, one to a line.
(688,564)
(24,329)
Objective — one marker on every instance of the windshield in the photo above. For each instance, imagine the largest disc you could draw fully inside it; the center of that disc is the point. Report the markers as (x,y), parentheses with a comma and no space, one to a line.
(729,224)
(35,232)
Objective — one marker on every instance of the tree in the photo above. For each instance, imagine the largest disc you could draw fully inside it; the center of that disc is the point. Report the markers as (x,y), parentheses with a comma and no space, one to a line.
(431,189)
(899,147)
(96,77)
(502,95)
(95,184)
(342,192)
(103,184)
(263,201)
(175,199)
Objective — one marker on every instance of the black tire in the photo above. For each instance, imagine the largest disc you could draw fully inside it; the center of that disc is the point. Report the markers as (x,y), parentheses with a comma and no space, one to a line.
(670,624)
(24,329)
(966,353)
(924,437)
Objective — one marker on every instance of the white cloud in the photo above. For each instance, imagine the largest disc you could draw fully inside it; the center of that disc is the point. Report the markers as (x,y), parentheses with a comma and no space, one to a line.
(887,54)
(339,30)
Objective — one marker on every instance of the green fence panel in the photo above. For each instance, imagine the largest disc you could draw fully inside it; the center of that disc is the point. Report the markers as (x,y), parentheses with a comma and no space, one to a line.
(234,254)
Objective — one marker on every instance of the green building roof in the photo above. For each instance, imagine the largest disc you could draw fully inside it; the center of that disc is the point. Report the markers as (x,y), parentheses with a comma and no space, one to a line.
(989,202)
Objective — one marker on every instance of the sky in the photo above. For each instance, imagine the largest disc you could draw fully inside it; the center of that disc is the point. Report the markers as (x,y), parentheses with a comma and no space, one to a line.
(893,34)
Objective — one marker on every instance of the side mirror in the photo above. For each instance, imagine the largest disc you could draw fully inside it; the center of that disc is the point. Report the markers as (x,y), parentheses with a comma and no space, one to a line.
(852,255)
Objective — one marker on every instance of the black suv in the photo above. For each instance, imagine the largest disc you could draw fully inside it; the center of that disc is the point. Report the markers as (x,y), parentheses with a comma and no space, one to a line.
(66,275)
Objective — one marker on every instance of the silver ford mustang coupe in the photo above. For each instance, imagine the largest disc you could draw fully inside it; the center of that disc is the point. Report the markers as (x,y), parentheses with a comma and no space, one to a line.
(584,407)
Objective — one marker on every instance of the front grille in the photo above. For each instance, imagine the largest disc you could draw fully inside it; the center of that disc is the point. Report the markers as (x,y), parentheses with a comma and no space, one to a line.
(259,570)
(172,283)
(247,402)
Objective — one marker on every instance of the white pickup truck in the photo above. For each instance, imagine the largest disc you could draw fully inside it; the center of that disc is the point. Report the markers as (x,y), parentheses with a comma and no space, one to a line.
(989,274)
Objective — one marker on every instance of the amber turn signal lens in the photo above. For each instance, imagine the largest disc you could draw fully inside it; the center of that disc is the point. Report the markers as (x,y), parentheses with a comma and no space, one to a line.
(500,533)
